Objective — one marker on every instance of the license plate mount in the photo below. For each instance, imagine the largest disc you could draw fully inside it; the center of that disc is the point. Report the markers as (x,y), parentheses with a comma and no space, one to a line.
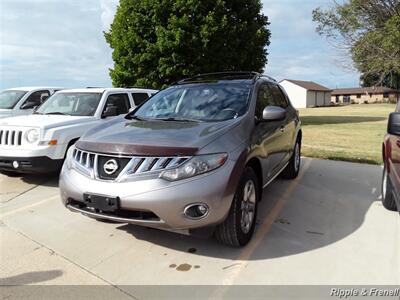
(101,202)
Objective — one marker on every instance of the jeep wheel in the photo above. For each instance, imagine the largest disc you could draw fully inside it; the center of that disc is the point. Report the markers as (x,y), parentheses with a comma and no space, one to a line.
(292,169)
(387,192)
(238,227)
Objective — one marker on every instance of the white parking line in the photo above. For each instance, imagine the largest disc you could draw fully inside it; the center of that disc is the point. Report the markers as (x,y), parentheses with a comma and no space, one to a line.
(11,212)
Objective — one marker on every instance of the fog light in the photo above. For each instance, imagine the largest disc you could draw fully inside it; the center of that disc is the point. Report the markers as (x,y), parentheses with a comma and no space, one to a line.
(202,209)
(15,164)
(196,211)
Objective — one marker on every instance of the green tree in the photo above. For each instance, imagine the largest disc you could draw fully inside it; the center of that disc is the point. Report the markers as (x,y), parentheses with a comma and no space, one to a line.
(157,42)
(369,30)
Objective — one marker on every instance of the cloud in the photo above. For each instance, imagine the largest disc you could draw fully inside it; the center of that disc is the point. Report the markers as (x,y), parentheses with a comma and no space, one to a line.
(108,8)
(297,51)
(53,42)
(57,43)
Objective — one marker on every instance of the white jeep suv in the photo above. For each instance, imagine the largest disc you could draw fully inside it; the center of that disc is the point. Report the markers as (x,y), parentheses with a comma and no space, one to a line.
(22,101)
(39,142)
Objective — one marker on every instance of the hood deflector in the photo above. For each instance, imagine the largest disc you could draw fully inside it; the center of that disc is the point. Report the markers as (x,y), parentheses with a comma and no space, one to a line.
(134,150)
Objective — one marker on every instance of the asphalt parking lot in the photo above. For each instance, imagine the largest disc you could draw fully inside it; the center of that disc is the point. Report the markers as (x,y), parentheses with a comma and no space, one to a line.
(328,227)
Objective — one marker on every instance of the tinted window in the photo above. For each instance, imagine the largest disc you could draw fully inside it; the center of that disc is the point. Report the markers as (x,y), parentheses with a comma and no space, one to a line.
(121,101)
(278,97)
(139,98)
(37,98)
(201,102)
(8,99)
(264,99)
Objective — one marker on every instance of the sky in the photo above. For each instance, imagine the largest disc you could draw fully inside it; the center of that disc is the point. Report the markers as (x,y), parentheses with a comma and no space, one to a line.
(61,43)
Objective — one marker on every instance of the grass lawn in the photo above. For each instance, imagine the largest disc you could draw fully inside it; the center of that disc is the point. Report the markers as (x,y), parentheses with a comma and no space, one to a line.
(350,133)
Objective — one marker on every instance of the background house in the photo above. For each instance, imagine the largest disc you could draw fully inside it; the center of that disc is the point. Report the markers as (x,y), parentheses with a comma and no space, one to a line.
(365,95)
(304,94)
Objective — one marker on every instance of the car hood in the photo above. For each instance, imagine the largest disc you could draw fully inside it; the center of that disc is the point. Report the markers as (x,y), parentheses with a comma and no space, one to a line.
(5,113)
(44,121)
(131,137)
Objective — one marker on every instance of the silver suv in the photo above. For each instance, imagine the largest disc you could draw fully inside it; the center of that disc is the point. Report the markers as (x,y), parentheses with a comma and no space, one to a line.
(196,156)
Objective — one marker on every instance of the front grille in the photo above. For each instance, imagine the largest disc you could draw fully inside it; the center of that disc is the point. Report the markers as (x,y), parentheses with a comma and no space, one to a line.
(85,159)
(110,167)
(10,137)
(122,213)
(103,161)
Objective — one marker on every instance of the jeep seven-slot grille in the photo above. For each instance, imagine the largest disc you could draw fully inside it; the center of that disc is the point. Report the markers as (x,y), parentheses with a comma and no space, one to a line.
(110,167)
(10,137)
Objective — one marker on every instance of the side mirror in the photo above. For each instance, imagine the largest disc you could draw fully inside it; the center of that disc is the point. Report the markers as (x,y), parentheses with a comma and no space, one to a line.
(111,111)
(394,124)
(28,105)
(273,113)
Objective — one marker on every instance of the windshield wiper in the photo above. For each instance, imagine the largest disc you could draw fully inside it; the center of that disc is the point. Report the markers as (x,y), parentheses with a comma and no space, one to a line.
(57,113)
(178,120)
(135,118)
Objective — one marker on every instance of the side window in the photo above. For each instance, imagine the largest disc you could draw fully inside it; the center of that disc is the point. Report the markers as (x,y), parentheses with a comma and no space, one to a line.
(139,98)
(35,99)
(120,101)
(278,97)
(264,98)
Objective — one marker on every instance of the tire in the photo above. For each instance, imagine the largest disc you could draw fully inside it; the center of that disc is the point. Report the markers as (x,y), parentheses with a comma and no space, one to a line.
(237,229)
(388,200)
(293,168)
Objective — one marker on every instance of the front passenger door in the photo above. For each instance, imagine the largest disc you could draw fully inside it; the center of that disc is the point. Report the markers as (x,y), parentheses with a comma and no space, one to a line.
(34,100)
(288,127)
(119,102)
(268,136)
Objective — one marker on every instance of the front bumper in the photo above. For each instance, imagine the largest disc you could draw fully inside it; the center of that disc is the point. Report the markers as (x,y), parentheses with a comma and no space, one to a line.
(40,164)
(155,202)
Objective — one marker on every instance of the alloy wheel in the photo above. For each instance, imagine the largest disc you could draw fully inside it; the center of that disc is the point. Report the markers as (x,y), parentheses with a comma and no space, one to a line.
(248,206)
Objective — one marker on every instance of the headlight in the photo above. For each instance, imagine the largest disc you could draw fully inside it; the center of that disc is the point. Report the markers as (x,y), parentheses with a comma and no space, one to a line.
(32,136)
(69,161)
(197,165)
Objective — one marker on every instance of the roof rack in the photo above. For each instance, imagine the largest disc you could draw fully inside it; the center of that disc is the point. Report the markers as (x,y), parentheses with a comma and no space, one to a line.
(268,77)
(134,87)
(95,87)
(225,75)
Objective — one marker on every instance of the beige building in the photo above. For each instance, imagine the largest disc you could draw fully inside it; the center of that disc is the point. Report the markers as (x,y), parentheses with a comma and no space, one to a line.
(365,95)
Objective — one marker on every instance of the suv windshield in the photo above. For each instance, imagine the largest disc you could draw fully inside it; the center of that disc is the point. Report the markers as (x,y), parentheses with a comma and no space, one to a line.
(72,104)
(8,99)
(197,102)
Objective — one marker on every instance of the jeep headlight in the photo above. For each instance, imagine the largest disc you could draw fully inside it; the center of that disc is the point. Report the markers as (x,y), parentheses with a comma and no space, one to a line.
(32,136)
(197,165)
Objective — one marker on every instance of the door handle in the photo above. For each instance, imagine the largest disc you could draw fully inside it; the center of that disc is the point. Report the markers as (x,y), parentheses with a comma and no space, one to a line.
(398,143)
(283,130)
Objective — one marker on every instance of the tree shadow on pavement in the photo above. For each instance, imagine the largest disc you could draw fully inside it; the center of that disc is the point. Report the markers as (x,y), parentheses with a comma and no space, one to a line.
(327,204)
